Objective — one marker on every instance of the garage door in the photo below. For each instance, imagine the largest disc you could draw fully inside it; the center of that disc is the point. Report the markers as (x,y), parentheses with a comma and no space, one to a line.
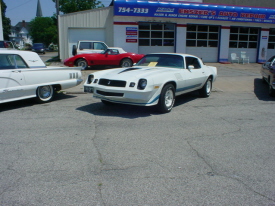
(84,34)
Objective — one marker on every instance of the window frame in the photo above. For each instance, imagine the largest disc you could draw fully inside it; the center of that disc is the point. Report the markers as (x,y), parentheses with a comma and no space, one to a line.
(202,34)
(156,34)
(188,63)
(271,39)
(242,37)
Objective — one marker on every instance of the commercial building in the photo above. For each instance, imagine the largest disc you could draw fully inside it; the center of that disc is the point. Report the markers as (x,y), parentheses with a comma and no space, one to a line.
(209,30)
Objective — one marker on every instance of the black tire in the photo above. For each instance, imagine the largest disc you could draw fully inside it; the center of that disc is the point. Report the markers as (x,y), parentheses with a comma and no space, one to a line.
(44,94)
(82,63)
(107,102)
(205,91)
(126,63)
(74,51)
(166,99)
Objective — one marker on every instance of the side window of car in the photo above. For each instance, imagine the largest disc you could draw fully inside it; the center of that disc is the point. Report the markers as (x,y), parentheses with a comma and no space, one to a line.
(20,62)
(7,61)
(85,45)
(99,46)
(11,61)
(192,61)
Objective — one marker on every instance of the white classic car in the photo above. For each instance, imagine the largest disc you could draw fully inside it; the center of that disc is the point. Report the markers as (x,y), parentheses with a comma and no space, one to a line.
(155,80)
(24,75)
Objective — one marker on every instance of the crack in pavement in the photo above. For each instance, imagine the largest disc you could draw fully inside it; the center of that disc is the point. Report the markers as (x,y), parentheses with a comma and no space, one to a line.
(213,172)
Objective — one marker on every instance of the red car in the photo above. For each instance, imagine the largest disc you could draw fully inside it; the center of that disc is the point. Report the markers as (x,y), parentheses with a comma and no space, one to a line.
(113,56)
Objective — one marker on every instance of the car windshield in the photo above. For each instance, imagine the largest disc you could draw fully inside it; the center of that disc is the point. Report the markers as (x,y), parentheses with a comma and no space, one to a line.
(161,60)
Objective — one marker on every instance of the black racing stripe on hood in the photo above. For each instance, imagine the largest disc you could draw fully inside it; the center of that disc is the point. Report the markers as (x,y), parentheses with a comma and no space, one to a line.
(129,69)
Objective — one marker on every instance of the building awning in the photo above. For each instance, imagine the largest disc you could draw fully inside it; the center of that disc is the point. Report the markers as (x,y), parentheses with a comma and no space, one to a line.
(193,10)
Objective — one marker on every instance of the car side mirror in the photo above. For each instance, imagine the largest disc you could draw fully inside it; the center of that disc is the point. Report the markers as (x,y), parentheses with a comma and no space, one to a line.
(191,67)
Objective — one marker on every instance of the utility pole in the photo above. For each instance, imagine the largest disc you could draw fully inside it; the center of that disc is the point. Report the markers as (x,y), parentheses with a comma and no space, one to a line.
(57,16)
(1,24)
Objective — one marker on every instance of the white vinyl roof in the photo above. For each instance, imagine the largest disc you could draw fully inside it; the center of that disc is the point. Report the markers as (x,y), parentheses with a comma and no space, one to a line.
(31,58)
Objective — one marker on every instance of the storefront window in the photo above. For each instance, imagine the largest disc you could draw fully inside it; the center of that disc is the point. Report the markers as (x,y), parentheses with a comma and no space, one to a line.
(144,26)
(144,42)
(271,39)
(202,36)
(243,37)
(156,34)
(156,26)
(156,42)
(144,34)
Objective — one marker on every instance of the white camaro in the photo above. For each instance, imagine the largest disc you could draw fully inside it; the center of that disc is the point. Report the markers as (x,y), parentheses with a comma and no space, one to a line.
(24,75)
(155,80)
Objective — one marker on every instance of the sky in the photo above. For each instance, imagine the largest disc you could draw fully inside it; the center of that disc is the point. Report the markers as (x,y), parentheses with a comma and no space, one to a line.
(19,10)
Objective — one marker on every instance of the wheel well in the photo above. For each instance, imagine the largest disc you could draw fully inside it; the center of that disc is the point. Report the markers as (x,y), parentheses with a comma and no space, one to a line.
(78,60)
(171,82)
(126,58)
(56,87)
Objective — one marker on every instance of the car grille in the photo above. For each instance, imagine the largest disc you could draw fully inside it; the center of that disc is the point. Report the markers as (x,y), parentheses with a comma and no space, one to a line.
(112,83)
(113,94)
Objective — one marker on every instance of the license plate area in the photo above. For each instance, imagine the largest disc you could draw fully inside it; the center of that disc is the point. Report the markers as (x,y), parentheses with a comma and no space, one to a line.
(88,89)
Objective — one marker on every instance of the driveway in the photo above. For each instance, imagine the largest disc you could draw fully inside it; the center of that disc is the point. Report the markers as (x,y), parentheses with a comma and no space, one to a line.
(207,151)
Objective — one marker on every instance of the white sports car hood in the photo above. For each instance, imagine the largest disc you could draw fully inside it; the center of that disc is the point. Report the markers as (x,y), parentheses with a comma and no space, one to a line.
(133,72)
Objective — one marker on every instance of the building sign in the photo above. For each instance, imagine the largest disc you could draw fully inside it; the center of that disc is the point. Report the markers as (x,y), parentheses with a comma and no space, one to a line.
(131,34)
(187,10)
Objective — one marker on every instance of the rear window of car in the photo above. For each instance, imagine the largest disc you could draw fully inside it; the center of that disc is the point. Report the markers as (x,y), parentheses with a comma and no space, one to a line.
(38,45)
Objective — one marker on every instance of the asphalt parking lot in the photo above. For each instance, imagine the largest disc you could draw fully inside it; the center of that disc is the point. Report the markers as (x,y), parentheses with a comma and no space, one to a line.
(77,151)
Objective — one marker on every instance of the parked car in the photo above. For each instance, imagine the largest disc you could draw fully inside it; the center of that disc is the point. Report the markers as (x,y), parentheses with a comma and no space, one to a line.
(24,75)
(39,48)
(155,80)
(6,45)
(113,56)
(89,46)
(268,75)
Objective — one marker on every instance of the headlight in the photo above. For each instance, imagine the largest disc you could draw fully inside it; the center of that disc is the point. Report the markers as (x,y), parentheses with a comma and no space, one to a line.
(142,84)
(90,79)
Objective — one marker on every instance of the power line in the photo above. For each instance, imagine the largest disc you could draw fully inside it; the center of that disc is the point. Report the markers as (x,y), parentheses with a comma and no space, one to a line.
(19,5)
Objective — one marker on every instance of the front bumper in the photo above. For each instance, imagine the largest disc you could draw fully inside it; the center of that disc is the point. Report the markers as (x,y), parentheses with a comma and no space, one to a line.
(132,96)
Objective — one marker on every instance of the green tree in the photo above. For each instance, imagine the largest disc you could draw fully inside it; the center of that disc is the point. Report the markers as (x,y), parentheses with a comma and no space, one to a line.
(43,30)
(69,6)
(5,21)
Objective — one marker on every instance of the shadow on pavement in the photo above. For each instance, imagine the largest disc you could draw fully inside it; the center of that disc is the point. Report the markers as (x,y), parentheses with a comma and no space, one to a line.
(131,111)
(30,102)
